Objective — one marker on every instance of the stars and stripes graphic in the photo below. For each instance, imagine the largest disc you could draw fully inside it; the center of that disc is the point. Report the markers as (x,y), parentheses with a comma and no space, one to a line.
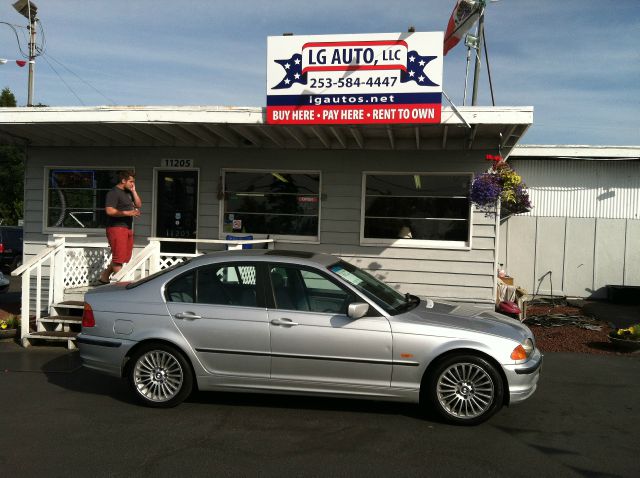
(293,72)
(415,69)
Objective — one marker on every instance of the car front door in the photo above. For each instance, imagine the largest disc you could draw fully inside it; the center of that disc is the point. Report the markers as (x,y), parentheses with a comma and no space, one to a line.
(220,310)
(313,339)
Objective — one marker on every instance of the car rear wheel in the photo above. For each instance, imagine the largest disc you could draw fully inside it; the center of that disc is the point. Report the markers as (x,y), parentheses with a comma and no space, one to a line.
(465,389)
(160,376)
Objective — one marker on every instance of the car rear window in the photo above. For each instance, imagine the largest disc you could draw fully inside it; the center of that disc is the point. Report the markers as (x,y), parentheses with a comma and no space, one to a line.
(144,280)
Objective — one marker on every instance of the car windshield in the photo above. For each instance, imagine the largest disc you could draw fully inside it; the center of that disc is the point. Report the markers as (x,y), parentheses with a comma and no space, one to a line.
(144,280)
(392,301)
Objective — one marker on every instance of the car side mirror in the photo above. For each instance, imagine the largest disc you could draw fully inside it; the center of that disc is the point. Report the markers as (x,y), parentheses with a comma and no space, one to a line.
(357,310)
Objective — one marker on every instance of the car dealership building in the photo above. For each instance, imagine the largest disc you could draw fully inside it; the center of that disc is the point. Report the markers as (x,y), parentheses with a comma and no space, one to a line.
(381,180)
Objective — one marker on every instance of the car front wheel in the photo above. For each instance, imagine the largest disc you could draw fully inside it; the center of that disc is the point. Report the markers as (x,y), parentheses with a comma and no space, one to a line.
(160,376)
(465,389)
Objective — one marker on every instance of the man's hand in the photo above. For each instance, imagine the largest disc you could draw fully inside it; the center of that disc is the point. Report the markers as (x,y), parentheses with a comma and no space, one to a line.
(113,212)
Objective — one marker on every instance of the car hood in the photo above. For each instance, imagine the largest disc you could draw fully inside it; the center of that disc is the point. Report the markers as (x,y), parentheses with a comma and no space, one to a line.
(464,317)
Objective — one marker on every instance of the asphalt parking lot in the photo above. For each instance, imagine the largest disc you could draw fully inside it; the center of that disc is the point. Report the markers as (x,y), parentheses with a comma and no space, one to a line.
(59,419)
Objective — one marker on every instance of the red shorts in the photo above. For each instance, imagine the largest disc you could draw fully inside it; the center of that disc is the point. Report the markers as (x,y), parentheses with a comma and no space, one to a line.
(121,243)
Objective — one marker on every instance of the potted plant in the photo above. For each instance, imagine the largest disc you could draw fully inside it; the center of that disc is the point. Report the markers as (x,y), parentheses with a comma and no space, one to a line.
(626,339)
(500,184)
(9,326)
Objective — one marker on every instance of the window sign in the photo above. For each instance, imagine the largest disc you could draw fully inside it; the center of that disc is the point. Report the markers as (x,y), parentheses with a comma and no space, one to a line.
(355,79)
(272,203)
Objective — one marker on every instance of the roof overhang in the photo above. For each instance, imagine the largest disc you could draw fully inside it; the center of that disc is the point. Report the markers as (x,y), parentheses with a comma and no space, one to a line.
(577,152)
(467,128)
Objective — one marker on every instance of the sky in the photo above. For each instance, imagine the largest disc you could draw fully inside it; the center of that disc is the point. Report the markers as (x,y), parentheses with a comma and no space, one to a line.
(577,62)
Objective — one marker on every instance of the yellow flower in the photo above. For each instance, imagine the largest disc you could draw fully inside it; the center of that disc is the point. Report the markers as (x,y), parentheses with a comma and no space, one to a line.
(3,324)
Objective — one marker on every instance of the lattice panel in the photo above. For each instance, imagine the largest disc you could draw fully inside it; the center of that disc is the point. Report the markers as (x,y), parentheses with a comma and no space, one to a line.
(248,274)
(168,261)
(83,265)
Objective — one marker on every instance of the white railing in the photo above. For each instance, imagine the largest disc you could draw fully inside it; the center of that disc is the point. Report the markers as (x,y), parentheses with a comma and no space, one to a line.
(52,257)
(150,259)
(69,265)
(78,264)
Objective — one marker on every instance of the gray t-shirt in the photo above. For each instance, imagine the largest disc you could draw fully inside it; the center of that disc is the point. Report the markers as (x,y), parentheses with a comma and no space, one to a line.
(122,200)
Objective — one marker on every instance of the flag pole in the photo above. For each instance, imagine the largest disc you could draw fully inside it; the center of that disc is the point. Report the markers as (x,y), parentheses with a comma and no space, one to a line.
(476,73)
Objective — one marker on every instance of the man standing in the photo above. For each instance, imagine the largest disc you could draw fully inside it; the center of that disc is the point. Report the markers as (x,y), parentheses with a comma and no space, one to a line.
(122,205)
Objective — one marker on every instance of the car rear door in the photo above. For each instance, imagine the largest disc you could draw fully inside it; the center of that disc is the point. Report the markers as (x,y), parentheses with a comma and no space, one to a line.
(220,310)
(313,339)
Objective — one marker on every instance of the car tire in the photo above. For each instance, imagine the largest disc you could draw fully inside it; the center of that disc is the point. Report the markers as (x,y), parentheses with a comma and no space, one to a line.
(160,376)
(465,389)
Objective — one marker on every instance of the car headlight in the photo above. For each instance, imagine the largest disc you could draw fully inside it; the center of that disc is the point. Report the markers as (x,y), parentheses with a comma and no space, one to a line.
(523,351)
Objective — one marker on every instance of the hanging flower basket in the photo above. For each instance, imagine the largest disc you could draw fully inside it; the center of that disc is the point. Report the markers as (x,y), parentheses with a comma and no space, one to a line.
(500,183)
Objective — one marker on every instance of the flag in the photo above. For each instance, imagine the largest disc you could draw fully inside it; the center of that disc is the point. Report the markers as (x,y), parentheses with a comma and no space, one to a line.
(20,63)
(464,15)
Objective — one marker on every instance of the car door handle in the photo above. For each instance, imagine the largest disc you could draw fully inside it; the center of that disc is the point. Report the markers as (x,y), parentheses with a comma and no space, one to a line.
(187,315)
(283,322)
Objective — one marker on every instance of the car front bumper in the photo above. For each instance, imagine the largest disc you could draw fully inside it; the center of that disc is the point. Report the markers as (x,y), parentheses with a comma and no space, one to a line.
(523,378)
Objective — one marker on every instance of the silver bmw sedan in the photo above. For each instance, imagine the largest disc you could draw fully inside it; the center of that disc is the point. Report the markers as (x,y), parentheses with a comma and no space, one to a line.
(294,322)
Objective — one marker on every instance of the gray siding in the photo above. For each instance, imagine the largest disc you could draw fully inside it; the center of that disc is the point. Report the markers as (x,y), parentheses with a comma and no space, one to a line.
(582,255)
(444,273)
(588,188)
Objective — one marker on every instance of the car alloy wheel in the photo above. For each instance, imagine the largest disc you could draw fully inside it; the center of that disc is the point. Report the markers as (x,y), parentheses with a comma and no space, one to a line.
(466,389)
(161,376)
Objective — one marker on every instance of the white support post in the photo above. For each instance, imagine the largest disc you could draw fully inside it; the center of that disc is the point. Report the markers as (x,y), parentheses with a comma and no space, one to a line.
(57,263)
(38,296)
(24,310)
(154,260)
(57,271)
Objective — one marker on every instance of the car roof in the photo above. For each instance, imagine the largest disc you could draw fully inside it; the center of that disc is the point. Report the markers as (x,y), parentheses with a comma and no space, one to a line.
(265,255)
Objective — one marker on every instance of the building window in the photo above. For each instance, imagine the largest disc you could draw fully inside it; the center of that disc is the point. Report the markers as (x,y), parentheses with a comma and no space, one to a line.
(279,204)
(416,209)
(75,197)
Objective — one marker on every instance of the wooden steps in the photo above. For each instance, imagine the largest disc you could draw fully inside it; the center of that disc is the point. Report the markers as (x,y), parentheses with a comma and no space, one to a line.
(63,324)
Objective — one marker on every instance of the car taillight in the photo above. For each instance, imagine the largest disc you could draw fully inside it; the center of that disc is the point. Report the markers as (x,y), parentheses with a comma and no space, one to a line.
(88,320)
(1,247)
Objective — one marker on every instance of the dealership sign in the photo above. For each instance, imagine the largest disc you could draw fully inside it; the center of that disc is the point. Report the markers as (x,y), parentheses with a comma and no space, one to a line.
(355,79)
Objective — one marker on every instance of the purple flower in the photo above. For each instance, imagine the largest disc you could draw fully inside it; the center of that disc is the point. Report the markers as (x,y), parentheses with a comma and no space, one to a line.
(485,190)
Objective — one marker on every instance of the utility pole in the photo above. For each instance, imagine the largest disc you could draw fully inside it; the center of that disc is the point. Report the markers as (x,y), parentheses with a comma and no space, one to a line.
(29,10)
(32,58)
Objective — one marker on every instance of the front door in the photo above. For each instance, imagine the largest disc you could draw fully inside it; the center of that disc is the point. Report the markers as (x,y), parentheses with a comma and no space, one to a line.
(313,339)
(177,208)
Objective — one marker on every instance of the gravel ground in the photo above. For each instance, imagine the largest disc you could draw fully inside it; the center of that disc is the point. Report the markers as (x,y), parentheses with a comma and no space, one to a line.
(558,334)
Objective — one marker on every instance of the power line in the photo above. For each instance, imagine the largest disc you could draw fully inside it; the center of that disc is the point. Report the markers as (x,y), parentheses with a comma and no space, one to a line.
(15,31)
(62,79)
(82,79)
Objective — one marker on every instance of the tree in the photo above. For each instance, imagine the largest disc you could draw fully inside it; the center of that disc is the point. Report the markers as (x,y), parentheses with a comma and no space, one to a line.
(11,173)
(7,98)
